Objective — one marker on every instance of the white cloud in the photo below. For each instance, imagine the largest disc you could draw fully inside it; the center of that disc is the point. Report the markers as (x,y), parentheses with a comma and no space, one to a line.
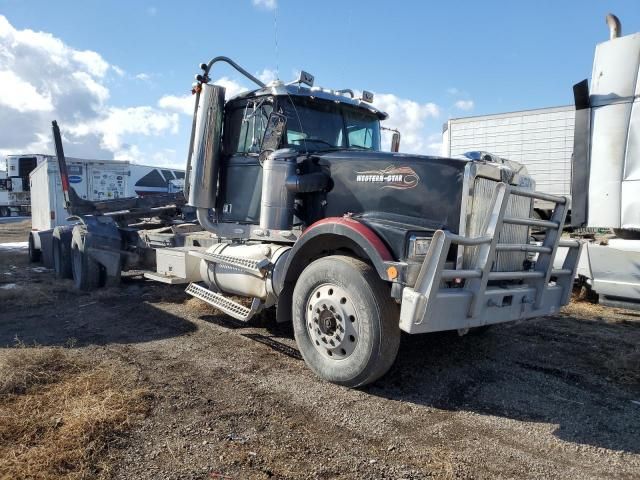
(434,144)
(232,88)
(119,71)
(185,103)
(143,76)
(166,158)
(21,96)
(453,91)
(93,62)
(267,76)
(180,104)
(118,122)
(267,4)
(464,105)
(409,117)
(42,79)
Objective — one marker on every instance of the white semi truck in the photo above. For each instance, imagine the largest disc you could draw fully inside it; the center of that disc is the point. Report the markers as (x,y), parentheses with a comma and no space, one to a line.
(606,167)
(15,198)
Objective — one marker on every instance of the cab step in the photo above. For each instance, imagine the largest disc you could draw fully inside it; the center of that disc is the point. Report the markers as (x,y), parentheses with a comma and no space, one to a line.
(258,267)
(224,304)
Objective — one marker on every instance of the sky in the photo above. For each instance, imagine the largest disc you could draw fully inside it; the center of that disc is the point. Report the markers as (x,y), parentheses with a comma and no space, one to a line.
(117,74)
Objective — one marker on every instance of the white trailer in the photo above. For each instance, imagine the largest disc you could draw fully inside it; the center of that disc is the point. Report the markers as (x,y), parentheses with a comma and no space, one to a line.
(93,180)
(540,139)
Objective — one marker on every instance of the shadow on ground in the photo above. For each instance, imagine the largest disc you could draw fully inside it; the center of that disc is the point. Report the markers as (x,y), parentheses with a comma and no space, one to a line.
(555,371)
(119,316)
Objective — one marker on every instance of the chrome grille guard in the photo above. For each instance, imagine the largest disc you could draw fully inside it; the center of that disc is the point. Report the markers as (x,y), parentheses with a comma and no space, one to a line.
(457,299)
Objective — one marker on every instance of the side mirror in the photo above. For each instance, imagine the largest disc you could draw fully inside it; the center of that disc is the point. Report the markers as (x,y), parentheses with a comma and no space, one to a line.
(272,137)
(395,141)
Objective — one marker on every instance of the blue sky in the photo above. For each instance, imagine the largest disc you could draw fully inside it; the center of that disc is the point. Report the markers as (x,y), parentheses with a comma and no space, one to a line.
(426,61)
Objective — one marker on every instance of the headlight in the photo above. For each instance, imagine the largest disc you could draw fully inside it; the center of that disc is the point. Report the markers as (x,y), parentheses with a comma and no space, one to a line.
(418,247)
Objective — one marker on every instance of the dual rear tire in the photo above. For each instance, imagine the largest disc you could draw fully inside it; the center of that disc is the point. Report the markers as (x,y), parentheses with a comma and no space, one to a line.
(61,246)
(86,272)
(345,322)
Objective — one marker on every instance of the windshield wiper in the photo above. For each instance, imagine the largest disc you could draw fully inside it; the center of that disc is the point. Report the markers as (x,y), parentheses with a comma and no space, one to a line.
(359,147)
(314,139)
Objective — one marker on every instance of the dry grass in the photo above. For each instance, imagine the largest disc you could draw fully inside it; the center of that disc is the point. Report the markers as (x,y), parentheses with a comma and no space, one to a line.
(198,307)
(60,416)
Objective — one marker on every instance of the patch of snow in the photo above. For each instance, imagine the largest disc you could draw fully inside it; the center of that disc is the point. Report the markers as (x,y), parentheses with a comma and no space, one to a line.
(9,286)
(14,246)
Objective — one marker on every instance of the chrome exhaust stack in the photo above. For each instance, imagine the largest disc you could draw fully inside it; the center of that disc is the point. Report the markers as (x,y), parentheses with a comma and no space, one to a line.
(204,161)
(205,157)
(615,28)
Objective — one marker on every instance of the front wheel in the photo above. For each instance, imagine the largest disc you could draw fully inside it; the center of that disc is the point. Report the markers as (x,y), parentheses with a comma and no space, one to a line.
(346,324)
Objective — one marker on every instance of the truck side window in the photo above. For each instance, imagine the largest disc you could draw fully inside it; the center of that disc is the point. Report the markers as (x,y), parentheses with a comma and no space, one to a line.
(246,126)
(254,123)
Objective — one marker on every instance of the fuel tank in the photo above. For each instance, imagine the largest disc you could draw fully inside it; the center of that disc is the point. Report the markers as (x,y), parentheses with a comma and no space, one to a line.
(228,278)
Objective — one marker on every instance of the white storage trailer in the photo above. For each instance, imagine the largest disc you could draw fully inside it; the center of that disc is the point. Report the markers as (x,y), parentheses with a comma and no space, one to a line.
(93,180)
(540,139)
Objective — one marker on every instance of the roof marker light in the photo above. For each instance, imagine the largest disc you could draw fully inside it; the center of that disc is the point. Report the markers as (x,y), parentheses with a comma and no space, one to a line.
(306,78)
(367,96)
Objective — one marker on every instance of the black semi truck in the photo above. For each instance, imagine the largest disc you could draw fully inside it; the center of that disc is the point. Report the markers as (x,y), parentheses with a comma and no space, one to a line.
(300,210)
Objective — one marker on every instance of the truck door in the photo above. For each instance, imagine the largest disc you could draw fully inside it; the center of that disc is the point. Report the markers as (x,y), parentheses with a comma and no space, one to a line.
(241,173)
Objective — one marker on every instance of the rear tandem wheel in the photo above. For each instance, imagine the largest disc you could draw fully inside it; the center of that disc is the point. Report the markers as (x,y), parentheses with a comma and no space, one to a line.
(87,273)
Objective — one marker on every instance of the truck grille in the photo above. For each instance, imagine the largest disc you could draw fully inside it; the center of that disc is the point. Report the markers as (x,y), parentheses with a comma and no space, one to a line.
(518,206)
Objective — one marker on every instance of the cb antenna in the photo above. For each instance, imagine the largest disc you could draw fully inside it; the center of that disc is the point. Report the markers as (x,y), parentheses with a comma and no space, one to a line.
(275,34)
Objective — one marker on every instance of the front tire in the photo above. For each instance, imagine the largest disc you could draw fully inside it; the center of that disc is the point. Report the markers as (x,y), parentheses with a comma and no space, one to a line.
(345,322)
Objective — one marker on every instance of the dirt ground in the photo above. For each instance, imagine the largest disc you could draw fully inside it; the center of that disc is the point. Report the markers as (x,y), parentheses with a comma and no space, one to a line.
(557,397)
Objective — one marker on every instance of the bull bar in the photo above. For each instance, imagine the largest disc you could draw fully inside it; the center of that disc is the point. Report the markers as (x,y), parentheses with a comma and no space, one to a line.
(459,299)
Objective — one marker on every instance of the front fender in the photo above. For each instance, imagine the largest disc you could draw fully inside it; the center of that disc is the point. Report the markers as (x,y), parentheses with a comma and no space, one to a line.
(320,239)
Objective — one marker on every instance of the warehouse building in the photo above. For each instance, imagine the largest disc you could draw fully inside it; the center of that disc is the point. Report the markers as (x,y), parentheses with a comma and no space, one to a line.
(541,139)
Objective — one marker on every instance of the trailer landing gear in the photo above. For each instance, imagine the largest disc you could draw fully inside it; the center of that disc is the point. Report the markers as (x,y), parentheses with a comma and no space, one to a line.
(345,322)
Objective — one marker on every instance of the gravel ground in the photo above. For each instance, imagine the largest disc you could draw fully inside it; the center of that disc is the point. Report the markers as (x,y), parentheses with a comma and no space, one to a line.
(557,397)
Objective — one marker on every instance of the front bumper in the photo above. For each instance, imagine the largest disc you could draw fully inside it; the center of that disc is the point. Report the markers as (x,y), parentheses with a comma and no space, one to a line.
(444,299)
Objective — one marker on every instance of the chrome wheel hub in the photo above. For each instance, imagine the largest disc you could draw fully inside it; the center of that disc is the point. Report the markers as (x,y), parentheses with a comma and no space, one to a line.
(332,321)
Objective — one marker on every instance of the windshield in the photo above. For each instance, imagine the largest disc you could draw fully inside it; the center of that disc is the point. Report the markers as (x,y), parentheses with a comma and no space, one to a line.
(321,125)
